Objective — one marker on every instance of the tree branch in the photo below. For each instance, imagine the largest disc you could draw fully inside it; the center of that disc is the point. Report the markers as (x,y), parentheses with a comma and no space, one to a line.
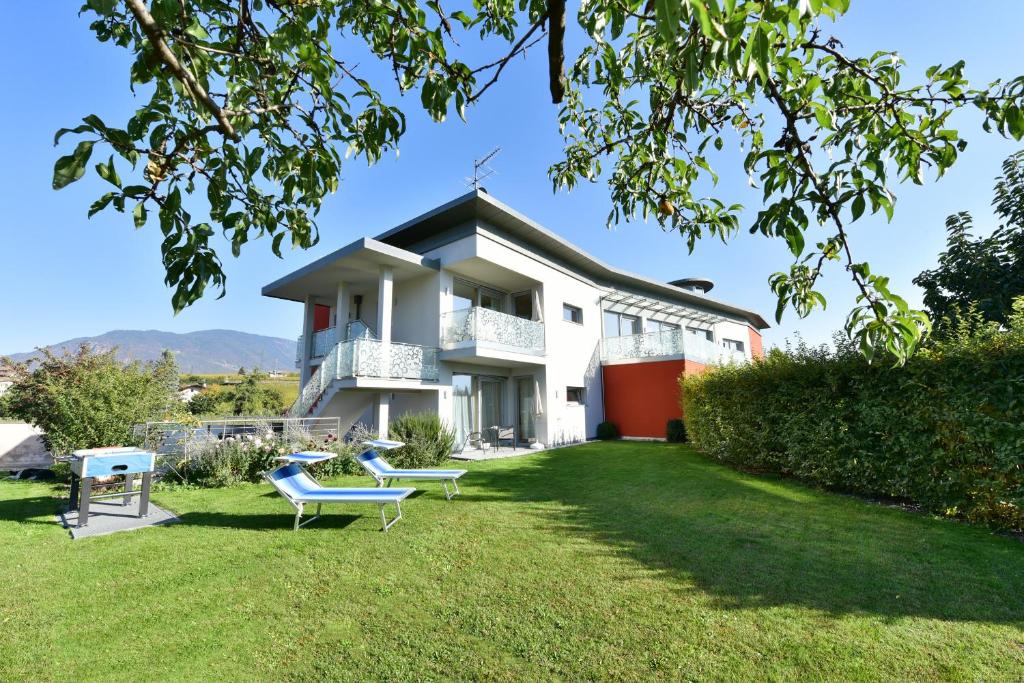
(556,50)
(155,34)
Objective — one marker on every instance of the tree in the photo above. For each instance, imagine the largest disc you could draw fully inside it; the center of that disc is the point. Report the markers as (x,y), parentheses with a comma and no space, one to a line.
(89,399)
(204,403)
(249,105)
(252,397)
(982,275)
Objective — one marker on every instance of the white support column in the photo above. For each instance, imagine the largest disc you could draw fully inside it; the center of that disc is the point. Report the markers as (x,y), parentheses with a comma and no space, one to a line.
(385,301)
(341,311)
(307,340)
(383,414)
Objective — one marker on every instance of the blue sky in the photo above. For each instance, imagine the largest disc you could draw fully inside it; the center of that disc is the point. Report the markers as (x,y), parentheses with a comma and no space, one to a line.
(63,275)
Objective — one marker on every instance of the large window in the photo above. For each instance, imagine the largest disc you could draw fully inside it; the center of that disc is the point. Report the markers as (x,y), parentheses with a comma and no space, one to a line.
(701,332)
(659,326)
(468,295)
(572,314)
(620,324)
(733,345)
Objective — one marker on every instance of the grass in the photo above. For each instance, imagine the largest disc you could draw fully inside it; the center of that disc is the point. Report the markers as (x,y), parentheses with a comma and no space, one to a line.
(611,560)
(287,386)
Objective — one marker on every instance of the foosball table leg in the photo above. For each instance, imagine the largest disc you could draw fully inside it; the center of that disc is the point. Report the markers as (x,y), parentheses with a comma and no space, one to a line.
(83,501)
(147,479)
(127,500)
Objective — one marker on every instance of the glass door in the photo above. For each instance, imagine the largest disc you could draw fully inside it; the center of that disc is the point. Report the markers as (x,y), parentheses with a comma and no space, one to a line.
(490,404)
(462,408)
(525,400)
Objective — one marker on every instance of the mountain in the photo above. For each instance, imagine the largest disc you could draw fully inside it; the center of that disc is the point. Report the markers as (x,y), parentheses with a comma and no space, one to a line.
(206,351)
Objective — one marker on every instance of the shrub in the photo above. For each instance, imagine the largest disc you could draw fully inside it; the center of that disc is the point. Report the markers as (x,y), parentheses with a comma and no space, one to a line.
(428,440)
(607,431)
(204,403)
(88,399)
(675,431)
(943,431)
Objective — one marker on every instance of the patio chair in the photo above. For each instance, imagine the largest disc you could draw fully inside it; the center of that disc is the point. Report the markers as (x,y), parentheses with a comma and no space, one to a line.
(505,435)
(300,489)
(475,438)
(382,471)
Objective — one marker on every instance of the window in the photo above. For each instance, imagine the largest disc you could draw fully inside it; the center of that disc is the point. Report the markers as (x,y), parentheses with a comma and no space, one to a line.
(574,396)
(572,314)
(522,305)
(620,324)
(700,332)
(733,345)
(468,295)
(660,326)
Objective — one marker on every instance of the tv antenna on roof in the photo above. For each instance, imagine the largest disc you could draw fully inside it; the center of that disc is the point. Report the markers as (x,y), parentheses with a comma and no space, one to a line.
(481,169)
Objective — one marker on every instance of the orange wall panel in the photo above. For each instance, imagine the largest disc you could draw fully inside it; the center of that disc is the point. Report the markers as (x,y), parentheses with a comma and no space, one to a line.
(640,398)
(756,349)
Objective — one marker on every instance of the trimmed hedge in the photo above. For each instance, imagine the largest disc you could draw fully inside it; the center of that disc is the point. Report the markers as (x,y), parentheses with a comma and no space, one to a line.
(607,431)
(945,431)
(675,431)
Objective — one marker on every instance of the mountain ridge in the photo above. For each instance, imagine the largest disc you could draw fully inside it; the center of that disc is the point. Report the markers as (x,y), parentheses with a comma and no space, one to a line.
(199,352)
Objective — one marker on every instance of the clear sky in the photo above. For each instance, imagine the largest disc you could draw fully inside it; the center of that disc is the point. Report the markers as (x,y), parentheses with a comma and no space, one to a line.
(63,275)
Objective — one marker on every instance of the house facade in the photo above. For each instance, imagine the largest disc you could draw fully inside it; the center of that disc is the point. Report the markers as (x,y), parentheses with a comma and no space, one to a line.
(476,312)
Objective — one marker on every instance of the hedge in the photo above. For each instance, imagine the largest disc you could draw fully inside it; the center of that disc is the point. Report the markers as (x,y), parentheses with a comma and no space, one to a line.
(945,431)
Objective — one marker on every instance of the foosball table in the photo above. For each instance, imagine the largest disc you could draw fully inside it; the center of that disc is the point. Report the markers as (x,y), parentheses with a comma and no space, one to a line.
(90,463)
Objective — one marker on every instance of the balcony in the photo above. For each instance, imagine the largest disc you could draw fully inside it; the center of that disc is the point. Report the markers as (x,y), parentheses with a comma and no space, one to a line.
(482,328)
(666,344)
(370,359)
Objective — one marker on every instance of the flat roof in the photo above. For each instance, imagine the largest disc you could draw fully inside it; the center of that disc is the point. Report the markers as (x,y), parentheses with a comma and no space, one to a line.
(357,263)
(479,204)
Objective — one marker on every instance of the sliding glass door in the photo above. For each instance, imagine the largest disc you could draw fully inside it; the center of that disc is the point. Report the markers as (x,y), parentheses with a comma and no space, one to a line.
(476,405)
(525,409)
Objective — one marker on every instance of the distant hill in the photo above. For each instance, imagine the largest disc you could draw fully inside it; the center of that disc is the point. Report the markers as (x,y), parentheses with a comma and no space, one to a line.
(206,351)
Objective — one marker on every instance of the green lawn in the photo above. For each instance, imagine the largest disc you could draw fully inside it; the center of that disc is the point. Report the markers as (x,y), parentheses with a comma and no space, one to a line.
(616,560)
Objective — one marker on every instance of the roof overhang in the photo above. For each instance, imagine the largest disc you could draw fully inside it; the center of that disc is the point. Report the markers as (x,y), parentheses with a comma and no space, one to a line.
(480,206)
(357,264)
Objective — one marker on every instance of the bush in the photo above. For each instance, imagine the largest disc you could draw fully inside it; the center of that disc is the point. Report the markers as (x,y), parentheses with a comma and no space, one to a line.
(428,440)
(204,403)
(675,431)
(89,399)
(211,462)
(607,431)
(944,431)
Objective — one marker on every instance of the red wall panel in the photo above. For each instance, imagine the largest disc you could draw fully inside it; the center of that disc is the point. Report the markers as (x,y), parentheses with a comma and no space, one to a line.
(640,398)
(756,349)
(321,317)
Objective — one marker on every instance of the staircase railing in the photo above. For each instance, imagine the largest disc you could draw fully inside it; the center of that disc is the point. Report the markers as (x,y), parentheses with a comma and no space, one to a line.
(317,384)
(366,357)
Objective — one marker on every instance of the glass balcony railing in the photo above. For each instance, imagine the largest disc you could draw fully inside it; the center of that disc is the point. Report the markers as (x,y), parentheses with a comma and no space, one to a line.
(668,343)
(366,357)
(322,343)
(496,330)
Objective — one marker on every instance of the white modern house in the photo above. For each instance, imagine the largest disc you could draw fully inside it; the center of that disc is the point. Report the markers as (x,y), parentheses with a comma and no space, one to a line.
(476,312)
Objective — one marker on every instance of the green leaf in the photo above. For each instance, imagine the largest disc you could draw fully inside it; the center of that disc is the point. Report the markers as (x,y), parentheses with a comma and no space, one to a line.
(139,214)
(666,16)
(857,208)
(70,168)
(108,172)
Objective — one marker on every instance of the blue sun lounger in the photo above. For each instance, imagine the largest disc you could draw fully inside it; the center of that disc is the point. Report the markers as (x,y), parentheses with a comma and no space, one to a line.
(382,471)
(299,489)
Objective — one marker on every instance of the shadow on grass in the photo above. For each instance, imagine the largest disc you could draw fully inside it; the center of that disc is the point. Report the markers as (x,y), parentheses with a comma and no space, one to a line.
(754,542)
(32,509)
(270,521)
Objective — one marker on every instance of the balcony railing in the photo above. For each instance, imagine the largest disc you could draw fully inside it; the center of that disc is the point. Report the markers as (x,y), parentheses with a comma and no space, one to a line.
(366,357)
(322,343)
(668,343)
(497,330)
